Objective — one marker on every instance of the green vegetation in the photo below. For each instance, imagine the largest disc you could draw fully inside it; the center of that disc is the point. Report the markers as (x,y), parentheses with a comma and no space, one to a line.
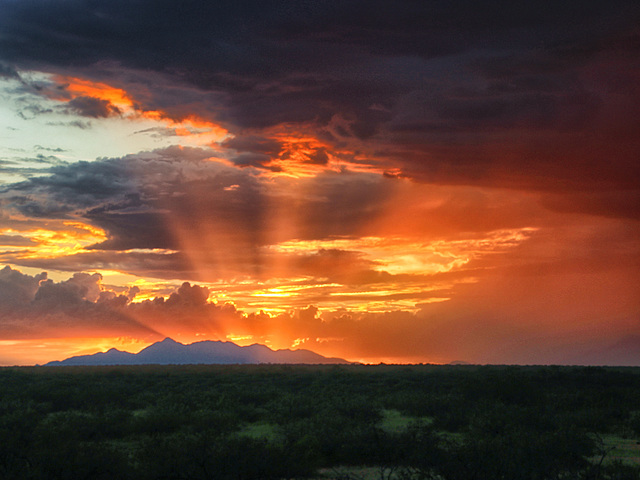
(393,421)
(623,449)
(347,422)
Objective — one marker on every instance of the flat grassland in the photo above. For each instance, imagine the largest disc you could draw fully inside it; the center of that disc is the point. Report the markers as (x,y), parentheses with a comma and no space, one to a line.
(333,421)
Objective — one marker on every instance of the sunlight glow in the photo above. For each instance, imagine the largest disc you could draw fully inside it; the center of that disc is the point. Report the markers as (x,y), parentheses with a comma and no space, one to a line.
(242,340)
(398,255)
(71,238)
(40,351)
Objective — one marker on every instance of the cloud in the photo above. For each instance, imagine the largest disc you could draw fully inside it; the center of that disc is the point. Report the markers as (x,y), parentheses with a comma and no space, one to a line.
(209,221)
(92,107)
(478,325)
(15,240)
(252,160)
(613,204)
(463,93)
(74,123)
(254,144)
(104,185)
(188,296)
(82,286)
(155,264)
(17,288)
(180,199)
(38,307)
(8,72)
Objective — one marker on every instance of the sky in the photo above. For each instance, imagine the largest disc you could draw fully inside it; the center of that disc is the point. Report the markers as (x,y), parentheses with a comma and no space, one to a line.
(398,182)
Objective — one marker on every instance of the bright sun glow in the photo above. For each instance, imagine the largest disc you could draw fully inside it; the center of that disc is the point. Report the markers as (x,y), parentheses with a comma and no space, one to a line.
(68,239)
(399,255)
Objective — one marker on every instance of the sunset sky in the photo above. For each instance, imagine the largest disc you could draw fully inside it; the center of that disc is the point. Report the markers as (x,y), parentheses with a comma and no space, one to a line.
(380,181)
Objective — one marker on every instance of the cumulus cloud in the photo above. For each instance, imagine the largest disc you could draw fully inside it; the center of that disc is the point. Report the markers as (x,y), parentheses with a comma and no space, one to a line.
(82,286)
(189,296)
(38,307)
(17,288)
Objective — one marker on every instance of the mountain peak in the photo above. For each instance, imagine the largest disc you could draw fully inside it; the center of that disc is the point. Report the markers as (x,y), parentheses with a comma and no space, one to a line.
(170,352)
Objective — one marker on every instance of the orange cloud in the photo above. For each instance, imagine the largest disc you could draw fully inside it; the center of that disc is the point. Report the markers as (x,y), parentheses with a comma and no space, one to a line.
(197,130)
(54,239)
(77,87)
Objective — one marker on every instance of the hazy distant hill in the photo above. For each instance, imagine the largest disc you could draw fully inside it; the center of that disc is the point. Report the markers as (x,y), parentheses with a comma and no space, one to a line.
(170,352)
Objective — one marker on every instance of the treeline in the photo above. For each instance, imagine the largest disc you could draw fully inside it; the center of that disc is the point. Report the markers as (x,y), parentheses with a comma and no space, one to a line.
(276,422)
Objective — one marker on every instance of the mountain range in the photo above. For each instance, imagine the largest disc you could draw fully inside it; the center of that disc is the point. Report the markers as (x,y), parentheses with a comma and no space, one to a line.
(170,352)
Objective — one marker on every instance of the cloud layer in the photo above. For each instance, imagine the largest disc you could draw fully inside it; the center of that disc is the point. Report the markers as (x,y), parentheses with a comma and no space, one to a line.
(451,92)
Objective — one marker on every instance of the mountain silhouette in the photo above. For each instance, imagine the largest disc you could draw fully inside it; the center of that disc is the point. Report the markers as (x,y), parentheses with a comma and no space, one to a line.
(170,352)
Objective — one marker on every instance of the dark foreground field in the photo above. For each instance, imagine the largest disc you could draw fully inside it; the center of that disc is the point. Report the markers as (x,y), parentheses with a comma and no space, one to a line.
(348,422)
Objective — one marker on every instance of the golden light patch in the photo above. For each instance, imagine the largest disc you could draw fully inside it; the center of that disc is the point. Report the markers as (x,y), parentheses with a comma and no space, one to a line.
(149,289)
(241,340)
(298,342)
(68,239)
(401,255)
(302,154)
(275,292)
(44,350)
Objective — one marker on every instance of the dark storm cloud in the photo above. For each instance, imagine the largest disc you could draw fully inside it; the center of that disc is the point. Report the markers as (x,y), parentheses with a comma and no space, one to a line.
(122,185)
(526,96)
(211,220)
(135,198)
(139,198)
(254,144)
(135,230)
(432,82)
(618,204)
(92,107)
(67,188)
